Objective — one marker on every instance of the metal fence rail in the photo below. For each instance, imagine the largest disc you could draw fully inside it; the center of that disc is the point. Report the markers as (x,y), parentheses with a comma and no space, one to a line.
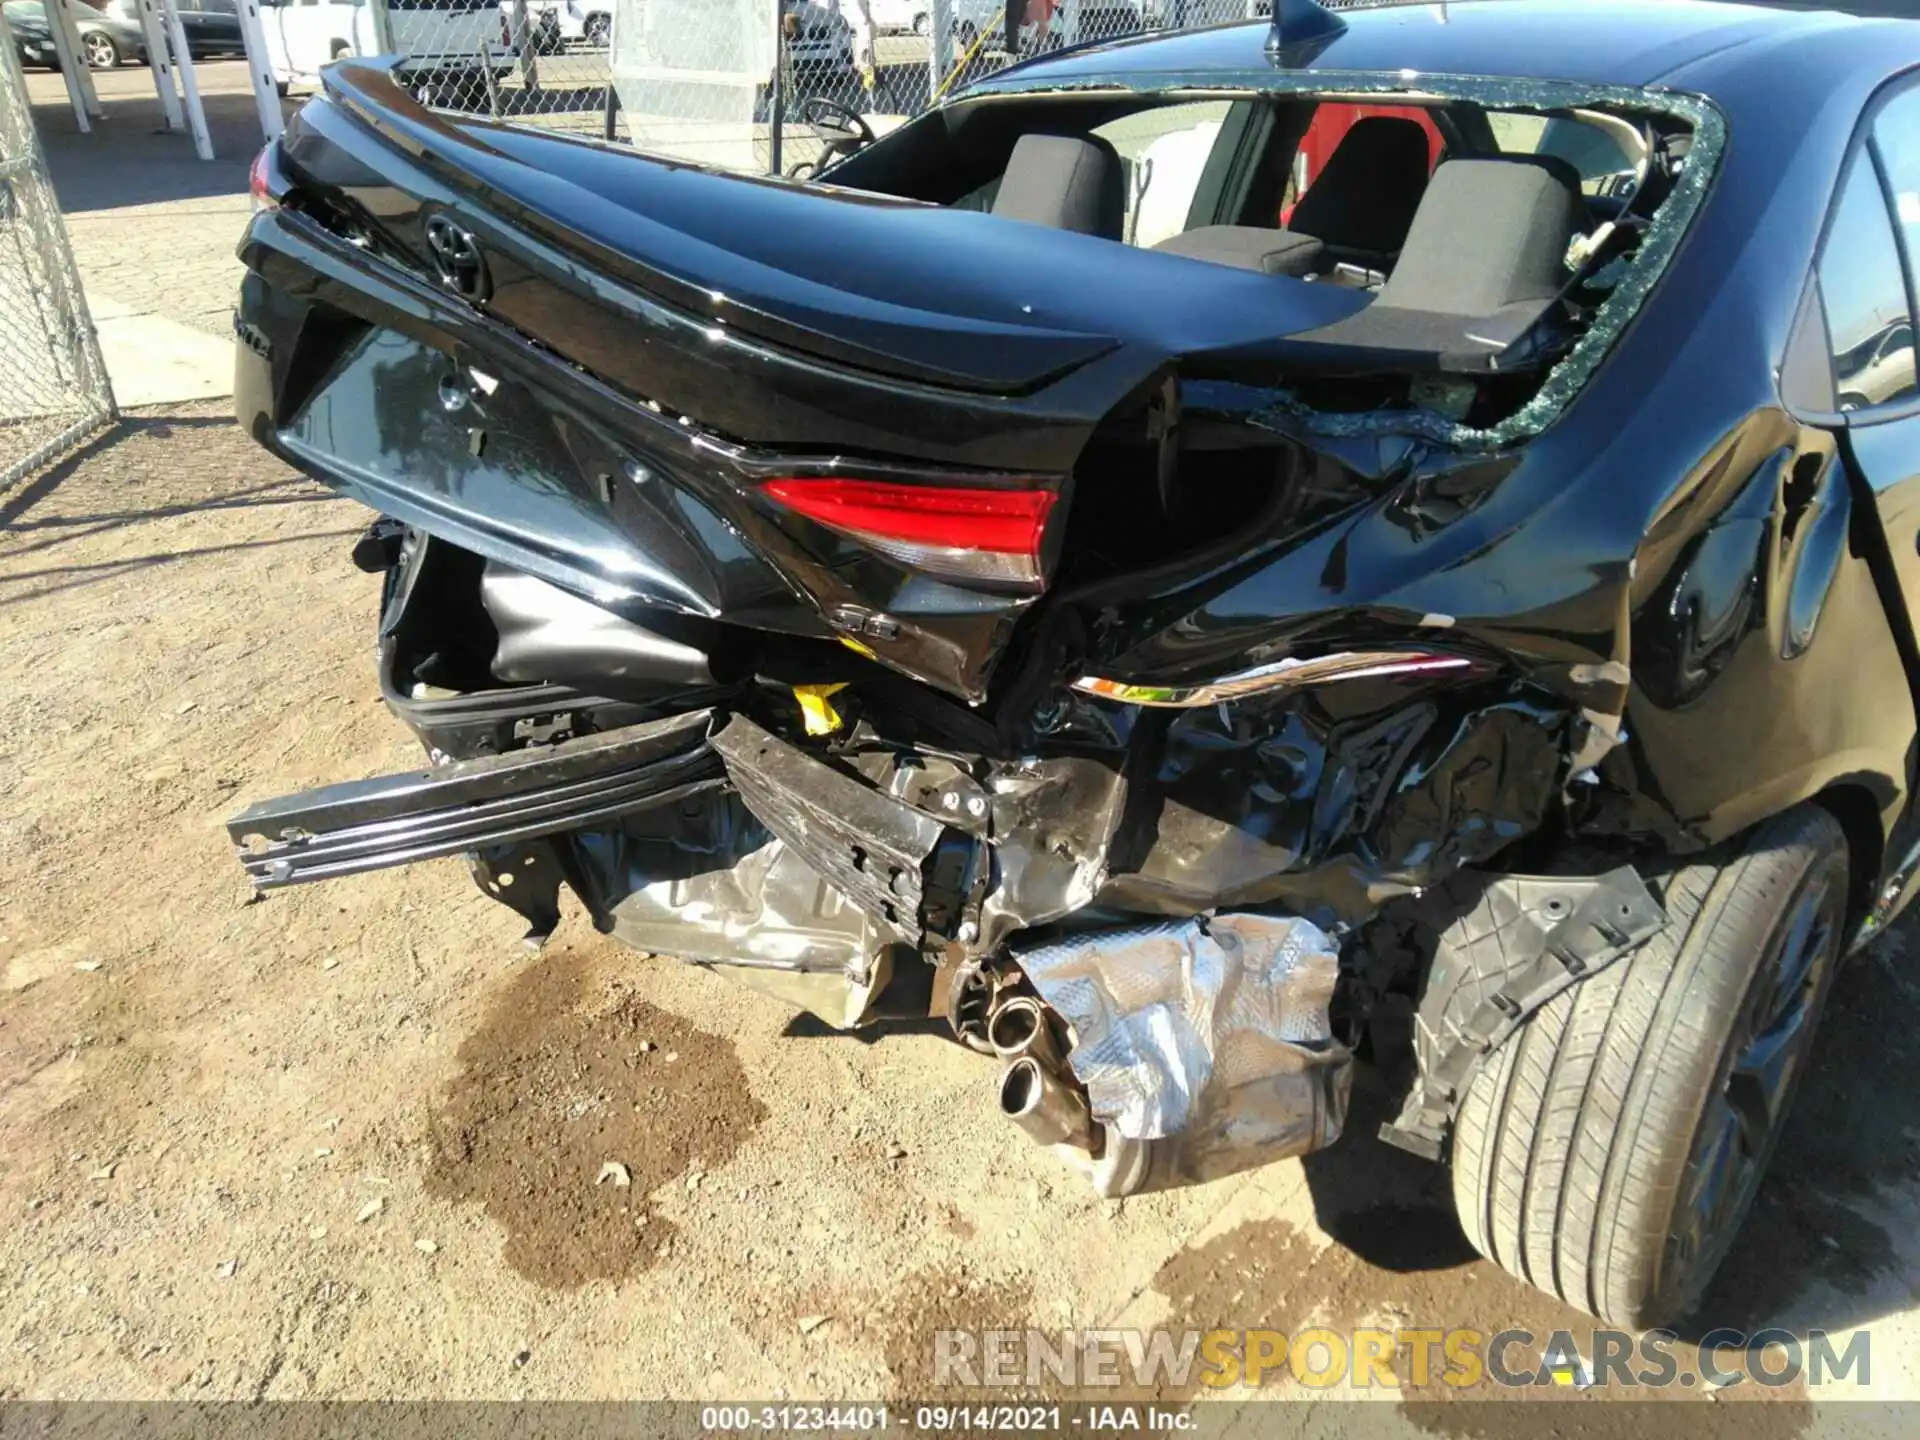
(730,82)
(53,386)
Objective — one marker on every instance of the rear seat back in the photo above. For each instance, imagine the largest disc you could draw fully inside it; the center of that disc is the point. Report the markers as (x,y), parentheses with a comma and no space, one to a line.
(1067,182)
(1370,190)
(1488,234)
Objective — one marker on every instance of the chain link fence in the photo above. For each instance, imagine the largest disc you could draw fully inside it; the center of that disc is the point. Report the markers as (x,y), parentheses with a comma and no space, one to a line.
(53,386)
(707,80)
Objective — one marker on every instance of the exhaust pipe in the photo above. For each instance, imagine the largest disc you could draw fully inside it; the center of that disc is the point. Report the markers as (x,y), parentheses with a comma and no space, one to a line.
(1019,1028)
(1050,1112)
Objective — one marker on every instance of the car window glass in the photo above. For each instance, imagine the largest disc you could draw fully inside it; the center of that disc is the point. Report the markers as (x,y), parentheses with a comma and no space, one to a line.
(1866,294)
(1589,149)
(1896,134)
(1164,151)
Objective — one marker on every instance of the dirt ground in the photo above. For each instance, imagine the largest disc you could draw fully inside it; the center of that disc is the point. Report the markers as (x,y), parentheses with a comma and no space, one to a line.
(355,1140)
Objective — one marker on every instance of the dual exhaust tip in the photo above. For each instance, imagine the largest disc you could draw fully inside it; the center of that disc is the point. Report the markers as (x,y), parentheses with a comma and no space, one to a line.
(1032,1094)
(1053,1113)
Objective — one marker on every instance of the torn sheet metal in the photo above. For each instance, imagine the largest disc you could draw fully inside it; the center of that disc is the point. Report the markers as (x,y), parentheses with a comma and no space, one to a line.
(1214,1030)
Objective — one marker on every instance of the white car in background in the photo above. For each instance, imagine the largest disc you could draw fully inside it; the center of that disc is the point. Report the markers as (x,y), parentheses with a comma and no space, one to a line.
(902,17)
(557,23)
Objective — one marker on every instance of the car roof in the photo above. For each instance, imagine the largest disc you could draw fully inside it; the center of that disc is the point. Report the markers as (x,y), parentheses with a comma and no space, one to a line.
(1700,45)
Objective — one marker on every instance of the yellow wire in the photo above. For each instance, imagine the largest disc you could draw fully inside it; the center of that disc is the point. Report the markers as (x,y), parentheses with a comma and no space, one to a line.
(999,22)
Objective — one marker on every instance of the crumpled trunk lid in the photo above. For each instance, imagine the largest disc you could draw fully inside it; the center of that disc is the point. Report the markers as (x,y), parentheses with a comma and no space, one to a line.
(597,367)
(895,288)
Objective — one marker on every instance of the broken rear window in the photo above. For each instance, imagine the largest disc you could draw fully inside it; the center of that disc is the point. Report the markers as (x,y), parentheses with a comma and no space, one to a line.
(1502,232)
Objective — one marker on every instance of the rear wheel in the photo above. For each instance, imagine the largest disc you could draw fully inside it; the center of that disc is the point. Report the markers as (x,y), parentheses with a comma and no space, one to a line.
(921,24)
(101,50)
(597,29)
(1610,1150)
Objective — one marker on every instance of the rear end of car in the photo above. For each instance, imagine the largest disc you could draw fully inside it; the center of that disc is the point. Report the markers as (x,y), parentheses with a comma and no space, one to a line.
(1141,657)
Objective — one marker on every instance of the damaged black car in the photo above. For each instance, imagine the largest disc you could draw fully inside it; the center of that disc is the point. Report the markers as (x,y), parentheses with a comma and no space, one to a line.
(1196,559)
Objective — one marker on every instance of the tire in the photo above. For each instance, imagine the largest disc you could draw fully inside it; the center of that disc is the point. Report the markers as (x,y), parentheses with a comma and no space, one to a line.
(921,25)
(1585,1144)
(597,29)
(340,47)
(101,50)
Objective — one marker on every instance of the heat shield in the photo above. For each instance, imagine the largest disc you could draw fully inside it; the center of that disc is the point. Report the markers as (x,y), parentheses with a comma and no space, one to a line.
(1213,1029)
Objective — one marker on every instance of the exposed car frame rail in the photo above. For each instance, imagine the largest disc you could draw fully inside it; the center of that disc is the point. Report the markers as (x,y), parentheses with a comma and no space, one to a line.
(473,804)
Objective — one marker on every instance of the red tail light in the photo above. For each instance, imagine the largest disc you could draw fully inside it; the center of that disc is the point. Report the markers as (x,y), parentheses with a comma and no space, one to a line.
(260,182)
(963,532)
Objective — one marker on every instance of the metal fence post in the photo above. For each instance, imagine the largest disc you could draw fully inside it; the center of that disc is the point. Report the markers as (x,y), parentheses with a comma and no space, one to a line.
(939,44)
(382,27)
(526,51)
(776,92)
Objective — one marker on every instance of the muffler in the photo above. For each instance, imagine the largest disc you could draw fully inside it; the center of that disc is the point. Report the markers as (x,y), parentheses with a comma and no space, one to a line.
(1199,1048)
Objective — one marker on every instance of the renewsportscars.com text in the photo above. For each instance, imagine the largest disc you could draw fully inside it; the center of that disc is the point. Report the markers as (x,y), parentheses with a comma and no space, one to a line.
(1368,1358)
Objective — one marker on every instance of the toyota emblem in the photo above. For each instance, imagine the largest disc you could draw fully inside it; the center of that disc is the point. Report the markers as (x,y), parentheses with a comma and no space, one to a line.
(457,258)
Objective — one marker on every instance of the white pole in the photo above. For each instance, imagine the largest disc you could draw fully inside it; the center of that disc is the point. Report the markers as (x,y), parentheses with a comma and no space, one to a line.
(939,44)
(160,63)
(72,65)
(266,95)
(382,27)
(183,62)
(67,28)
(522,32)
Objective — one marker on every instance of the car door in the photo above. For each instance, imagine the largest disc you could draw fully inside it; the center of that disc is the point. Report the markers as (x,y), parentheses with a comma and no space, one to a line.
(219,32)
(1866,272)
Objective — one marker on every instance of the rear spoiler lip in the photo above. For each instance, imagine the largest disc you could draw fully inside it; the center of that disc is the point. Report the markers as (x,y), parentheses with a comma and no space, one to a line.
(362,825)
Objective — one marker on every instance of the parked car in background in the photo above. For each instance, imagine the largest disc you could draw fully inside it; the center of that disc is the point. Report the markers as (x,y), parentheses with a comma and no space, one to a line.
(212,27)
(902,17)
(559,23)
(105,40)
(819,39)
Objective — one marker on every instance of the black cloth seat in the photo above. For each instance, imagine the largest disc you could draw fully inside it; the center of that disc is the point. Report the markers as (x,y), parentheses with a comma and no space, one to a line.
(1484,262)
(1365,200)
(1359,209)
(1067,182)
